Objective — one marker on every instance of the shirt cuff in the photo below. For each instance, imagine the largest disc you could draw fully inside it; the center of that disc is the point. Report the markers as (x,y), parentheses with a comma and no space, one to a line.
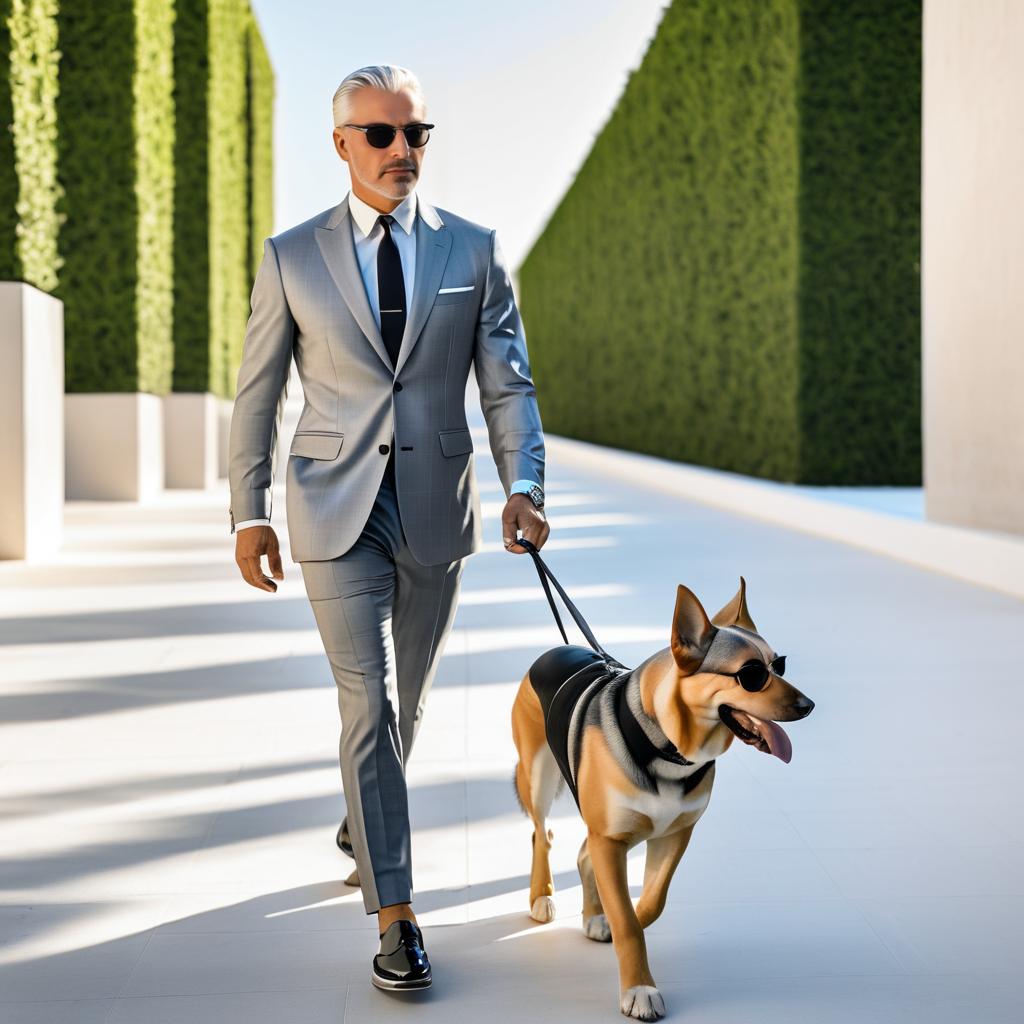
(523,486)
(252,522)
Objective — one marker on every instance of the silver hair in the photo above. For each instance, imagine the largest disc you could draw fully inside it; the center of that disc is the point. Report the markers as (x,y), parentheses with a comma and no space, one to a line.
(389,77)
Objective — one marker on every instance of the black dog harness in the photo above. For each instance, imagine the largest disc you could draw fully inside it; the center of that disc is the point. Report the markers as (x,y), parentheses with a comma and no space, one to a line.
(563,675)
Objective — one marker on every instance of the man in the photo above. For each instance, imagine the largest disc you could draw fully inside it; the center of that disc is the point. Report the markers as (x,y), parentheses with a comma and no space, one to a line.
(384,302)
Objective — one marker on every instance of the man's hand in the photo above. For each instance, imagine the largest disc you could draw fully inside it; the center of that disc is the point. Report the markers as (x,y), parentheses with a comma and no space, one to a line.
(251,544)
(521,513)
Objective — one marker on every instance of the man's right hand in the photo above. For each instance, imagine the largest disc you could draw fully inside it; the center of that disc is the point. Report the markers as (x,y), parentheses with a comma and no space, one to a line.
(251,544)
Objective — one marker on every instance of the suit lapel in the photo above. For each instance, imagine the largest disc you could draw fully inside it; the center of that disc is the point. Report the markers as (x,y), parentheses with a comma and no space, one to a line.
(433,244)
(432,249)
(339,253)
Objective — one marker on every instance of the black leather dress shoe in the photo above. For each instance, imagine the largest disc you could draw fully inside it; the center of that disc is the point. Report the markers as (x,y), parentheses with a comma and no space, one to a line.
(402,961)
(342,839)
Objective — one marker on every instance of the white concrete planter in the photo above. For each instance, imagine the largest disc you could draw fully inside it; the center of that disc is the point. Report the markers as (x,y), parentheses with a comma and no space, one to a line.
(115,446)
(31,421)
(191,439)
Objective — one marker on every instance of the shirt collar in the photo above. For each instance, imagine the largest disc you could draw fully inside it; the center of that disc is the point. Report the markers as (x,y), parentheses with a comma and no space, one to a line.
(365,216)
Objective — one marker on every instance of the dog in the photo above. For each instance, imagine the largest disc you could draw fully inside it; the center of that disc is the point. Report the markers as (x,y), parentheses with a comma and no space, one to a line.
(637,749)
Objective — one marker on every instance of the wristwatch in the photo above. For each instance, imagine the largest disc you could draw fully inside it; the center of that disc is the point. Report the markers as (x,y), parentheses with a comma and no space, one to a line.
(530,488)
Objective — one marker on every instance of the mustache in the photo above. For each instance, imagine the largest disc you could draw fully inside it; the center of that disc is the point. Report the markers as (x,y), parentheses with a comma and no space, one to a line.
(399,167)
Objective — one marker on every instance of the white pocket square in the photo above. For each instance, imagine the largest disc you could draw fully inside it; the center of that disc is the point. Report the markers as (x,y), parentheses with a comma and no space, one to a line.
(463,288)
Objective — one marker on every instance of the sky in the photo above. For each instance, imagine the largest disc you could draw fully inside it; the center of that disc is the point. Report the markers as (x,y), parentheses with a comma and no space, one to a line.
(518,93)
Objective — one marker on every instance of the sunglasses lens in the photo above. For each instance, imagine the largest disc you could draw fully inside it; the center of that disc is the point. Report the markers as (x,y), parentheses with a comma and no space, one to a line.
(416,135)
(779,665)
(752,677)
(380,135)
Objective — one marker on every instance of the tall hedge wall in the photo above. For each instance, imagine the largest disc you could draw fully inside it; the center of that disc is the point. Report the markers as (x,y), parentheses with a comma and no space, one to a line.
(212,220)
(29,190)
(115,137)
(860,274)
(731,279)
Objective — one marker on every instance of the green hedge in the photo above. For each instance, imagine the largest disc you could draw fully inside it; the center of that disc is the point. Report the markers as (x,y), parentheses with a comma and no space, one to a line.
(213,276)
(29,190)
(732,279)
(261,149)
(860,276)
(115,138)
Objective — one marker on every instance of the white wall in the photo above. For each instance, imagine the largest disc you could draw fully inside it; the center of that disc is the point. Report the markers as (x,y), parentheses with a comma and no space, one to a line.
(973,262)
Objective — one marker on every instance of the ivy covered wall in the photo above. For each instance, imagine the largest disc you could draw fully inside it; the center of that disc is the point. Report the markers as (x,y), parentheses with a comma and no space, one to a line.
(115,132)
(136,181)
(261,148)
(213,273)
(732,279)
(29,190)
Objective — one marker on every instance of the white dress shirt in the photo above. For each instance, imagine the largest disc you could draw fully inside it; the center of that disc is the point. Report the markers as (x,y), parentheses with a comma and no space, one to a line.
(367,233)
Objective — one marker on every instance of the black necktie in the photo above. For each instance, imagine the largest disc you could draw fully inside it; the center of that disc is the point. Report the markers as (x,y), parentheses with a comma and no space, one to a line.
(390,290)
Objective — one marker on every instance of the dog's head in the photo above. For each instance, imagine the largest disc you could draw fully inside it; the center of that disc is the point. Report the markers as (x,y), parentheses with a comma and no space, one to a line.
(729,672)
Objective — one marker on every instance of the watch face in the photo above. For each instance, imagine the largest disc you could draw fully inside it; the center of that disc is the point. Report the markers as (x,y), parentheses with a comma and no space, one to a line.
(537,496)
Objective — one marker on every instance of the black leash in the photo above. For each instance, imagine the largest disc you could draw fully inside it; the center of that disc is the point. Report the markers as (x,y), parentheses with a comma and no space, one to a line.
(545,574)
(643,749)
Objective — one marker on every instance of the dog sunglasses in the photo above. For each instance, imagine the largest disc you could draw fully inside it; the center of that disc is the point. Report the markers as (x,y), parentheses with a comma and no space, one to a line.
(380,136)
(753,676)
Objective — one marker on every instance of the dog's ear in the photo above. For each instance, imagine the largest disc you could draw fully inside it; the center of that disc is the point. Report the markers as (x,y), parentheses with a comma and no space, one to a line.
(692,631)
(735,612)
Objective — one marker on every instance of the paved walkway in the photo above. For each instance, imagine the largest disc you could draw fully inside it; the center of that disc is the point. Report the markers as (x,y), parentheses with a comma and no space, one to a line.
(170,789)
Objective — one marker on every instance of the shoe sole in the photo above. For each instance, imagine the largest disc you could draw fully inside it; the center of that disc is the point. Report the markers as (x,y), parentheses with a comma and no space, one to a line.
(399,986)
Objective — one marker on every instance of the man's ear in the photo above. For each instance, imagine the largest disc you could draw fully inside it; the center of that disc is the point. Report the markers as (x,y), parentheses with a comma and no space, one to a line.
(692,631)
(735,612)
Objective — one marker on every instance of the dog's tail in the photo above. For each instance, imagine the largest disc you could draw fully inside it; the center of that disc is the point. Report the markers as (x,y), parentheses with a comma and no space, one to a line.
(515,788)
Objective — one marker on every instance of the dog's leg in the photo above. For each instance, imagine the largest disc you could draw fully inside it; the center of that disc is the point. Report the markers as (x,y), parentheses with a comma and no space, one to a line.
(595,924)
(663,856)
(638,996)
(537,783)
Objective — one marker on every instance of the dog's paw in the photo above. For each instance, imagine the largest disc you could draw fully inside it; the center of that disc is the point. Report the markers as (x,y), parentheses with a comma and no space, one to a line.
(597,928)
(643,1002)
(353,879)
(543,909)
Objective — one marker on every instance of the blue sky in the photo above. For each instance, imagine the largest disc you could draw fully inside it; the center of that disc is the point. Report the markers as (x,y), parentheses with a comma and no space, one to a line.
(517,91)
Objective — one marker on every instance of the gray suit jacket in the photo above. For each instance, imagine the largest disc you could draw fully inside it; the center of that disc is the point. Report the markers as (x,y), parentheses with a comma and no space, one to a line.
(309,302)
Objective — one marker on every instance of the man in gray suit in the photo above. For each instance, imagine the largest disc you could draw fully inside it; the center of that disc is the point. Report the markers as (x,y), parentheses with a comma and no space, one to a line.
(383,301)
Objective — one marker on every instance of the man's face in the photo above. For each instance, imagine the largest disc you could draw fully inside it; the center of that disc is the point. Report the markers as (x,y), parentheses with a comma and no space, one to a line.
(392,172)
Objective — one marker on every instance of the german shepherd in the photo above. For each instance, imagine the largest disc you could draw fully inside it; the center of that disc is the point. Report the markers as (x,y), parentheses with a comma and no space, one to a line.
(637,749)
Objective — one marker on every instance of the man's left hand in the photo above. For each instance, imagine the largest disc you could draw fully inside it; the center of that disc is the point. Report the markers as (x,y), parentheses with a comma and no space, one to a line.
(520,513)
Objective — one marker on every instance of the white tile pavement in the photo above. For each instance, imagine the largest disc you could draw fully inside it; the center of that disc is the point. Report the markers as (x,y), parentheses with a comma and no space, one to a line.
(169,786)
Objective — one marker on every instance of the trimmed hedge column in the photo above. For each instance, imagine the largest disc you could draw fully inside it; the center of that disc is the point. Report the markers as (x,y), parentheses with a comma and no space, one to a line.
(115,133)
(212,273)
(733,277)
(261,153)
(29,191)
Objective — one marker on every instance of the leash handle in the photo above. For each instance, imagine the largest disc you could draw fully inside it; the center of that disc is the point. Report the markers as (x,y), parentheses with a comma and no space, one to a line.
(545,574)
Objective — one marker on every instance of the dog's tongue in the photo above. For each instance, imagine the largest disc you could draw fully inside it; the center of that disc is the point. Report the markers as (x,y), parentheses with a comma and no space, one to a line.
(773,735)
(777,740)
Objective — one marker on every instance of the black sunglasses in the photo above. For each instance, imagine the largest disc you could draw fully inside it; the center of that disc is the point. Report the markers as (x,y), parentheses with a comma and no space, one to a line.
(380,136)
(754,675)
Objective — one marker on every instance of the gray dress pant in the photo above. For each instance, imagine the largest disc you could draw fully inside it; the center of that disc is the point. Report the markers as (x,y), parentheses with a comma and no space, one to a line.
(384,619)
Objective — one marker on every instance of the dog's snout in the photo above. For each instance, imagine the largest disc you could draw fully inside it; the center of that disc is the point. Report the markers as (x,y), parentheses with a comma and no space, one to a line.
(803,707)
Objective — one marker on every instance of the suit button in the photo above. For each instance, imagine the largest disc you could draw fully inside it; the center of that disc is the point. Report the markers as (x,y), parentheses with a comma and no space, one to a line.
(398,386)
(384,449)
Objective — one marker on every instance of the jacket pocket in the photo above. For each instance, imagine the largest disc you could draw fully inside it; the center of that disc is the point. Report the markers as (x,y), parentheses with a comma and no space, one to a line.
(456,442)
(316,444)
(451,298)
